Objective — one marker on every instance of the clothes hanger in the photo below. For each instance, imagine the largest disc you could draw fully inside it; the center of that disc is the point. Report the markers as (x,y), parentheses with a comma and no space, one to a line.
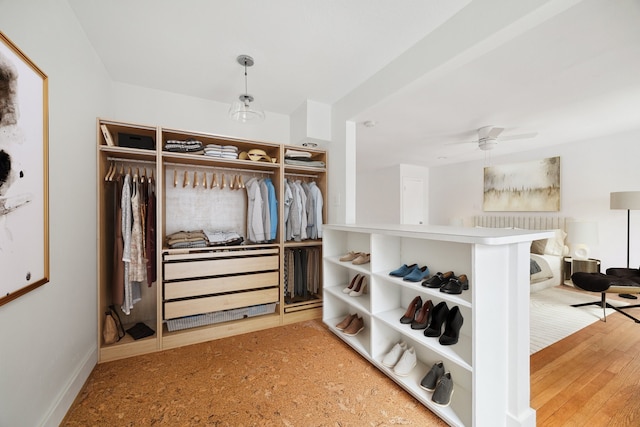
(214,180)
(196,182)
(185,179)
(109,173)
(223,184)
(232,183)
(175,178)
(204,181)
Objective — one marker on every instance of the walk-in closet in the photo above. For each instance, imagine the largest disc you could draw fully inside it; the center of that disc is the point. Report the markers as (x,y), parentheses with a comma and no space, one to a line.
(202,236)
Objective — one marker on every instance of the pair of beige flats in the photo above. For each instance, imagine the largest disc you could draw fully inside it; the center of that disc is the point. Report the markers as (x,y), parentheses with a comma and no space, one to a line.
(356,258)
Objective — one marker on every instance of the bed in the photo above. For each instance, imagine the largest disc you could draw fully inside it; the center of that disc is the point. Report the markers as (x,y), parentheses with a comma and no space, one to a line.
(546,266)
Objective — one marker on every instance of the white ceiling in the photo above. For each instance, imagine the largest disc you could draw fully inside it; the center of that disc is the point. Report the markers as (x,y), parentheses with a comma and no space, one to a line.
(567,71)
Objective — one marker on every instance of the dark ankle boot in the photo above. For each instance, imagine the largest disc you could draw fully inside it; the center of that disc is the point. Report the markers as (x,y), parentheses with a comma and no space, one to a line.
(452,327)
(438,317)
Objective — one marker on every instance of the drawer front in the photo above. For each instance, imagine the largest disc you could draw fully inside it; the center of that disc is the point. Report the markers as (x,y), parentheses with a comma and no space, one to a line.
(174,309)
(219,267)
(217,285)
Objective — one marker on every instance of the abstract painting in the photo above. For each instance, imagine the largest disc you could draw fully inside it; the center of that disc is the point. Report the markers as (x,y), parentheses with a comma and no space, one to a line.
(24,196)
(523,187)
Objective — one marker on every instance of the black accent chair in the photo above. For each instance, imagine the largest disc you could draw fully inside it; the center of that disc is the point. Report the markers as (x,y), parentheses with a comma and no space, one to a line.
(616,281)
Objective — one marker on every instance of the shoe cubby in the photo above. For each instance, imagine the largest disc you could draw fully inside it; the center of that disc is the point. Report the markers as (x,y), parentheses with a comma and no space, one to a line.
(489,362)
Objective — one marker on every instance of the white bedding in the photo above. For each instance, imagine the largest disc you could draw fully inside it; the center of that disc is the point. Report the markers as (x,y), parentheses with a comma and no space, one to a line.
(548,253)
(550,274)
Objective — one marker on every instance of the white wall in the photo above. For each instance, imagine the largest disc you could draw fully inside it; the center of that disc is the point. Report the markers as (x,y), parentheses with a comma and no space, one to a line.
(589,171)
(156,108)
(379,193)
(48,341)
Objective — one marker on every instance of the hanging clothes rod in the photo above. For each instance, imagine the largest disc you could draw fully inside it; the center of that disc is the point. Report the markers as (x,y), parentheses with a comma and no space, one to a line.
(117,159)
(300,174)
(253,171)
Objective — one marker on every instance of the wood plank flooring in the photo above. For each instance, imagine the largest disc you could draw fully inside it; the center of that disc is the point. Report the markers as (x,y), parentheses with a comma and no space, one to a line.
(590,378)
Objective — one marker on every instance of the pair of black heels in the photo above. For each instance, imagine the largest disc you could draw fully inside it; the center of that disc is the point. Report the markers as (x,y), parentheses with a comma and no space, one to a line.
(448,282)
(452,321)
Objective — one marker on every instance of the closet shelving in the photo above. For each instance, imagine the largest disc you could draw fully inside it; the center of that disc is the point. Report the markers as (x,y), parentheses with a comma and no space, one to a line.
(489,364)
(198,280)
(297,310)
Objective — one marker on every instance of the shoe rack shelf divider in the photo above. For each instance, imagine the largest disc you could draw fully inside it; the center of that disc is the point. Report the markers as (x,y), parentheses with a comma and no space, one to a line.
(490,363)
(204,272)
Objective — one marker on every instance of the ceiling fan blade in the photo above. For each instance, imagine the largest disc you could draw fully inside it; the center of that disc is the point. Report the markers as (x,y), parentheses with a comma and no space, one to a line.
(519,136)
(494,132)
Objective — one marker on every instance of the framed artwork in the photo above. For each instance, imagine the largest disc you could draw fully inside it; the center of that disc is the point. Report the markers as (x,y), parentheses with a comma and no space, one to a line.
(523,187)
(24,174)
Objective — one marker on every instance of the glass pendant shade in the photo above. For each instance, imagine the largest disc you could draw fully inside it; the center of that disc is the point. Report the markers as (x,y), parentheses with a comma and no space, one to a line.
(245,109)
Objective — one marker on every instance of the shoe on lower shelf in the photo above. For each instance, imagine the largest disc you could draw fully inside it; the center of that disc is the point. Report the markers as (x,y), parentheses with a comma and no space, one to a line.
(444,390)
(406,363)
(346,321)
(391,359)
(354,327)
(431,379)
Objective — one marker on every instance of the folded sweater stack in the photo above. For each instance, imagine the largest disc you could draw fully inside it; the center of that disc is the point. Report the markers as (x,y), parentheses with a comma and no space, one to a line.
(188,146)
(301,158)
(222,151)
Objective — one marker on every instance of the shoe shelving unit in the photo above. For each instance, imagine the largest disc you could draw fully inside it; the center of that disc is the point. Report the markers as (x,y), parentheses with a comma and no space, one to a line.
(490,363)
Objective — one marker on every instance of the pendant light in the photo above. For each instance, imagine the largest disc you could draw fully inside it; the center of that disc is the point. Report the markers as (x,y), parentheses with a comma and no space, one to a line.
(245,109)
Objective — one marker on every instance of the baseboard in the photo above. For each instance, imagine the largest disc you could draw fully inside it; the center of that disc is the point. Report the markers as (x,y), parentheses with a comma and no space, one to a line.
(68,394)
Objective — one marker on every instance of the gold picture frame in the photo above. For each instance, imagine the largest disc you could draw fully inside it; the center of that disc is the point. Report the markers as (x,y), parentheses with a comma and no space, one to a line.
(24,173)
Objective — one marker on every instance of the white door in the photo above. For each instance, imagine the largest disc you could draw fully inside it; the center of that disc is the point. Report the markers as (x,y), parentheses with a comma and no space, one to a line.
(412,201)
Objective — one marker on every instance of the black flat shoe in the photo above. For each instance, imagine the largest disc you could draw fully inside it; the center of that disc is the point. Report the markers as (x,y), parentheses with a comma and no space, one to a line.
(438,316)
(456,285)
(452,327)
(437,279)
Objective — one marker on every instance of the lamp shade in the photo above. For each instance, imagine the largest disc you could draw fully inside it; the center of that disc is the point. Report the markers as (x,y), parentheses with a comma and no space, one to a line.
(581,235)
(245,109)
(629,200)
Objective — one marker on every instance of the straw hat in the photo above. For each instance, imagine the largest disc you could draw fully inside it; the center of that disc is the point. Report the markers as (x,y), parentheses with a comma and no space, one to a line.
(255,155)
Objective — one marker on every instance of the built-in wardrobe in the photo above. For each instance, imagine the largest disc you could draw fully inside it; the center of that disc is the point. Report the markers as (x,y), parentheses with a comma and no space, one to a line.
(202,236)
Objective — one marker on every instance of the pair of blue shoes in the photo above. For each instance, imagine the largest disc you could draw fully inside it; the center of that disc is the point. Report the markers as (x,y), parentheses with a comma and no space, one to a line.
(411,273)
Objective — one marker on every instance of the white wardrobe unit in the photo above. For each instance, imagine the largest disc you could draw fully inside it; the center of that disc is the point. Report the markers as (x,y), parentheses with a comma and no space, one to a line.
(490,363)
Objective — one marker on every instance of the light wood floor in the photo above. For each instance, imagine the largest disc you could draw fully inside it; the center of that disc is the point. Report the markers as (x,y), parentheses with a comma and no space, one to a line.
(591,378)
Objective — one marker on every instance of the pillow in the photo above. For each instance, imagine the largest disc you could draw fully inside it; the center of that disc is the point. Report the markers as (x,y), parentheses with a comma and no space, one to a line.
(537,246)
(534,267)
(545,271)
(552,246)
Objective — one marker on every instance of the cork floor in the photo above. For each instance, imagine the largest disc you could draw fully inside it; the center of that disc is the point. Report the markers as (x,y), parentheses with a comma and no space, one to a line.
(295,375)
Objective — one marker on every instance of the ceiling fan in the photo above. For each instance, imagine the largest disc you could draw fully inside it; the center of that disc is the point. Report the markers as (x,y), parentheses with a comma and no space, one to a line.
(488,137)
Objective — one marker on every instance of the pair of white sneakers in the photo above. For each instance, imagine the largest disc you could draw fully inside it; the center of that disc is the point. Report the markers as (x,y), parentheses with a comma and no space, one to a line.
(401,358)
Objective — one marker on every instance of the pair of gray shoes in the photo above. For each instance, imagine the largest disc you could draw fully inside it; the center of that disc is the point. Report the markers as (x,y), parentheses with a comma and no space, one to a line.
(440,383)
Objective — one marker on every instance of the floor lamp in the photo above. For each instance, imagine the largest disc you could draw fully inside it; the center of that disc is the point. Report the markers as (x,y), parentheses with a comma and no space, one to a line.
(629,200)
